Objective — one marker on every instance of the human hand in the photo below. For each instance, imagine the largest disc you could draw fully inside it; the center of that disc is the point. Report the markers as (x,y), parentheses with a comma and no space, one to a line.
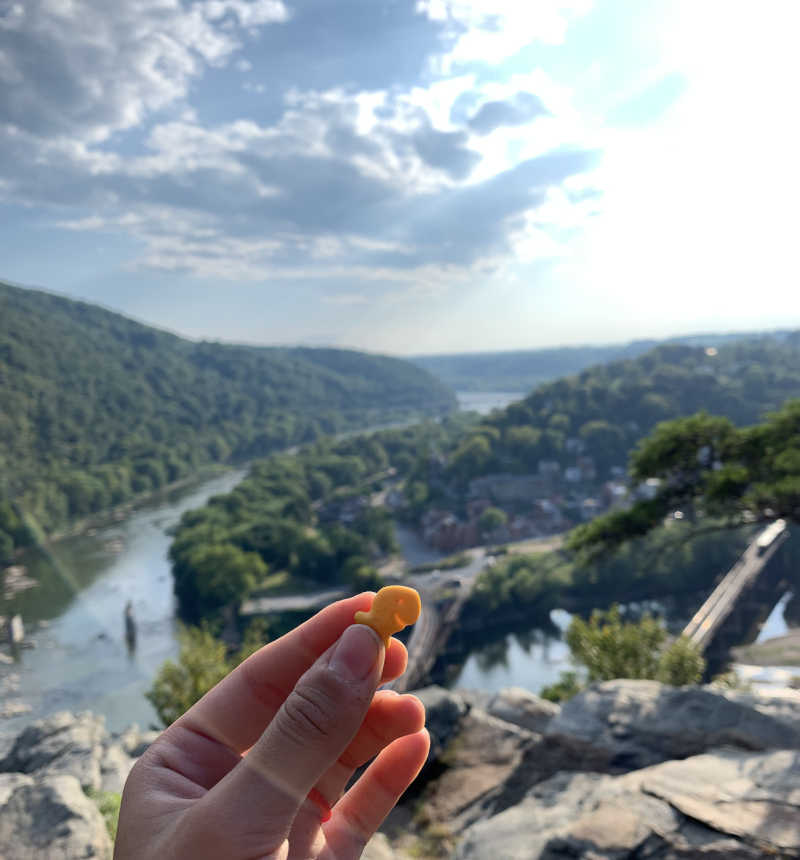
(231,778)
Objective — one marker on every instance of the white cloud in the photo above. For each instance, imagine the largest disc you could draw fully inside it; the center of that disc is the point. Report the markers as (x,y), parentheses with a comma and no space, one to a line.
(394,184)
(491,31)
(84,69)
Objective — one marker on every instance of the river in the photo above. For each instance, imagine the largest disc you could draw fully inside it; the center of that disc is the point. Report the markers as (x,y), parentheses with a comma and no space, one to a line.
(75,616)
(484,402)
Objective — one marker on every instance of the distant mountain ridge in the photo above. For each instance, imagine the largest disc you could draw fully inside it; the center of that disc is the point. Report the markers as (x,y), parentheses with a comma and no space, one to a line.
(525,369)
(95,408)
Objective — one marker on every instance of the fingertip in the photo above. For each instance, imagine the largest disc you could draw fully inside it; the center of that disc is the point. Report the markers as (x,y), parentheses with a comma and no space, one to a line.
(418,708)
(395,661)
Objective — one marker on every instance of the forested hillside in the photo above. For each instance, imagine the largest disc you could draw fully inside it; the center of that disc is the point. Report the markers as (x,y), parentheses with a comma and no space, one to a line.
(602,412)
(523,370)
(95,408)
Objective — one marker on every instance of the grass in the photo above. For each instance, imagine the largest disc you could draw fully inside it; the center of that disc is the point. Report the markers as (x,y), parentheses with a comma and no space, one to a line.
(108,803)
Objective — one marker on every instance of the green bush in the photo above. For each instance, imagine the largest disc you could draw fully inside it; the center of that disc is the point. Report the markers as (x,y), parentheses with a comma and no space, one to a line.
(564,688)
(608,647)
(203,662)
(612,648)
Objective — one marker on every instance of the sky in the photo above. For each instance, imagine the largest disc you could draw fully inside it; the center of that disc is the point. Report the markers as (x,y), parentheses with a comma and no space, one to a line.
(406,176)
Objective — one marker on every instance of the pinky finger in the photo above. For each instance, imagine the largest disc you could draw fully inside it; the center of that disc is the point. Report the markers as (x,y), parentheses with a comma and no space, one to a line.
(361,811)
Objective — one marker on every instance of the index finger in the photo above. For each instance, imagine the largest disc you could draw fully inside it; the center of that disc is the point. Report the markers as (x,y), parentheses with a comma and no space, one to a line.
(237,710)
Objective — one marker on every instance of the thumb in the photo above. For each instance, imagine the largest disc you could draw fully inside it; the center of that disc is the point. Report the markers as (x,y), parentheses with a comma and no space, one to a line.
(313,727)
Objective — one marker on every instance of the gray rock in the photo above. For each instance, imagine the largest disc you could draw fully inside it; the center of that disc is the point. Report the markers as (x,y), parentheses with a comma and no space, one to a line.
(521,707)
(484,753)
(52,819)
(618,726)
(727,804)
(444,711)
(115,765)
(785,708)
(11,781)
(64,743)
(129,739)
(378,848)
(134,741)
(145,739)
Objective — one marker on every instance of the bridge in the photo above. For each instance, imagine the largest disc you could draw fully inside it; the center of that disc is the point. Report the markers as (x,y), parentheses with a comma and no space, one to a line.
(443,594)
(738,606)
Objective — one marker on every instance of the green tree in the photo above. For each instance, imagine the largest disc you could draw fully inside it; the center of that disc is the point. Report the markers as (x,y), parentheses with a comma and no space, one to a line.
(708,469)
(491,520)
(201,664)
(608,647)
(203,661)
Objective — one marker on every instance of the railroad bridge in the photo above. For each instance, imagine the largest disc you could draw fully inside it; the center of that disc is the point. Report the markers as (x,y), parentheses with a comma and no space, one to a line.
(739,605)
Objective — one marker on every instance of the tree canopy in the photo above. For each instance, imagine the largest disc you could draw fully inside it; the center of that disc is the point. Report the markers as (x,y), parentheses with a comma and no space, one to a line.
(708,469)
(311,517)
(96,408)
(604,411)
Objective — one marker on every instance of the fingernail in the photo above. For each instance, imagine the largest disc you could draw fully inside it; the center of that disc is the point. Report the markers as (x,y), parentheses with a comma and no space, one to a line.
(356,653)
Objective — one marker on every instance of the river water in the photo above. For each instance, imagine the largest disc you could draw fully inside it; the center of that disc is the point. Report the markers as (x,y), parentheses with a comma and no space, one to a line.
(484,402)
(75,616)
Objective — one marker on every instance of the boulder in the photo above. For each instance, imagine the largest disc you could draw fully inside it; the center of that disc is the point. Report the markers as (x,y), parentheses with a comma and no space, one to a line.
(115,765)
(444,711)
(726,804)
(617,726)
(521,707)
(784,706)
(63,743)
(484,753)
(9,782)
(134,741)
(52,819)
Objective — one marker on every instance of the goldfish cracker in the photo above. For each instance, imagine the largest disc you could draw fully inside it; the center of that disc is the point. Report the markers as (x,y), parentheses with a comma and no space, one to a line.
(394,607)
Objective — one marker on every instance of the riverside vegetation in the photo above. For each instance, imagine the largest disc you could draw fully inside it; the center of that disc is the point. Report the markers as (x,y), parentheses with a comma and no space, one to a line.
(97,408)
(314,518)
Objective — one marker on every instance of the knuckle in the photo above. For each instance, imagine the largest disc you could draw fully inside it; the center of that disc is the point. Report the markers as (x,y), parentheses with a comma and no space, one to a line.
(308,714)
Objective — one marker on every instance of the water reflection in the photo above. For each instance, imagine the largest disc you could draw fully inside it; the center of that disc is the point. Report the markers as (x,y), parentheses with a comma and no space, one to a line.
(530,658)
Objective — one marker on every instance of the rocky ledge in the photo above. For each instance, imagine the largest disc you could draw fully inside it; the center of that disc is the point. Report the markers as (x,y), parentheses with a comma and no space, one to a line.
(46,779)
(626,769)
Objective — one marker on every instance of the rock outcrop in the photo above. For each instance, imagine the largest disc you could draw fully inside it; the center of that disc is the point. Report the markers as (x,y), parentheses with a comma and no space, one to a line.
(50,818)
(619,726)
(46,776)
(627,769)
(727,804)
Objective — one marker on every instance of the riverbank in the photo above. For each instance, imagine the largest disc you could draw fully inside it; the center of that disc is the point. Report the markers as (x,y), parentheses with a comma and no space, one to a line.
(779,651)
